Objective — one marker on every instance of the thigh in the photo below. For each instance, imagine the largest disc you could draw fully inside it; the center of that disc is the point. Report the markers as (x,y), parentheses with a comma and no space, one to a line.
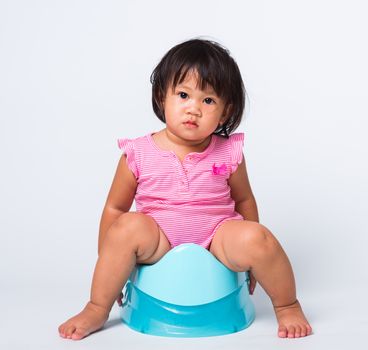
(163,246)
(234,241)
(143,232)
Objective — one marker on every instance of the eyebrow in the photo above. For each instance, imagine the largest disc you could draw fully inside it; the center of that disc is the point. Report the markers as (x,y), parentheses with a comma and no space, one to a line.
(210,92)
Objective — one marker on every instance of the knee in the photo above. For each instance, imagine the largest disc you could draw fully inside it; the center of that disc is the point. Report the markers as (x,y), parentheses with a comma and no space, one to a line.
(126,222)
(127,228)
(258,239)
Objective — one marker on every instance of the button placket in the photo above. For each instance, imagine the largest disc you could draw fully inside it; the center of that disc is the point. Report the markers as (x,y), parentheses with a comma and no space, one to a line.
(187,165)
(184,184)
(182,175)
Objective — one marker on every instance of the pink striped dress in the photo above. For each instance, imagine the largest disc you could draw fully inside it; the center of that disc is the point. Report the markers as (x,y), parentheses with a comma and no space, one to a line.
(189,200)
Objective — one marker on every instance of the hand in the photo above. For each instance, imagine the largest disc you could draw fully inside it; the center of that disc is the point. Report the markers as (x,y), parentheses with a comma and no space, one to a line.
(119,299)
(252,283)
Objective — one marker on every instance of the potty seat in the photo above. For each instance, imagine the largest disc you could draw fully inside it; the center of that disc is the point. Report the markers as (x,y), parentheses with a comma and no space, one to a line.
(188,293)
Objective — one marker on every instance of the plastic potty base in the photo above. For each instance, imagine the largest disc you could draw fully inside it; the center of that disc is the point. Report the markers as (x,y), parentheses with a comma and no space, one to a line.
(149,315)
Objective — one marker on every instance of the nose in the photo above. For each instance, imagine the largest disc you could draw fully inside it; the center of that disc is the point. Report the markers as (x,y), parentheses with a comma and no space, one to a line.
(193,108)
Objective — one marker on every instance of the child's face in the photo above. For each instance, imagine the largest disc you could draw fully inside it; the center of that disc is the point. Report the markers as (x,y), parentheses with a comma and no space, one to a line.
(192,114)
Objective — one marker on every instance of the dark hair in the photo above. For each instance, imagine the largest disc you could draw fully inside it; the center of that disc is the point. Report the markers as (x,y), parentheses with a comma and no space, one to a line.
(215,68)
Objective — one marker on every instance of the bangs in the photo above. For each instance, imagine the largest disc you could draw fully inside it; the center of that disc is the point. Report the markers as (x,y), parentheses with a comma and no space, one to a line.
(205,80)
(206,62)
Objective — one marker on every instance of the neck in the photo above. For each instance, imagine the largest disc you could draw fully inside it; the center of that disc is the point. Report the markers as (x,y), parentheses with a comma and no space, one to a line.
(177,141)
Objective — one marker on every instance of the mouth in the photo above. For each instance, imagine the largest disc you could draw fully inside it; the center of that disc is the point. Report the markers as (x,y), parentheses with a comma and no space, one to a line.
(190,124)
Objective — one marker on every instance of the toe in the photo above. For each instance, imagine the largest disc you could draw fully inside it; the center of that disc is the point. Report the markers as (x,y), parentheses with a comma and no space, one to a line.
(303,331)
(62,334)
(291,332)
(79,334)
(309,329)
(298,331)
(61,331)
(69,331)
(282,332)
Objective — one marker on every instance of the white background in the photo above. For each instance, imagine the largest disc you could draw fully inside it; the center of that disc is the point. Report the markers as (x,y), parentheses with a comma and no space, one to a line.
(74,77)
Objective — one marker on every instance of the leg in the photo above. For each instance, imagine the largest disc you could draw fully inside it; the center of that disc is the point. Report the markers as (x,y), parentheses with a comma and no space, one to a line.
(133,238)
(246,245)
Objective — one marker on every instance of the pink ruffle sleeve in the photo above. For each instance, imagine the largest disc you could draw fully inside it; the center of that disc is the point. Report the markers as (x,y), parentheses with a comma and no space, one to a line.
(237,143)
(128,149)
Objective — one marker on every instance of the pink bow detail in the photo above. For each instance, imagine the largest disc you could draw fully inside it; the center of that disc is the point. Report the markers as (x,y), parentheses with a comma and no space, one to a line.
(219,170)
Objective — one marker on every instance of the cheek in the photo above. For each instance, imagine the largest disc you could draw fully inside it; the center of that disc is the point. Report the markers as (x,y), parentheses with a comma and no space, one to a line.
(172,111)
(214,108)
(214,113)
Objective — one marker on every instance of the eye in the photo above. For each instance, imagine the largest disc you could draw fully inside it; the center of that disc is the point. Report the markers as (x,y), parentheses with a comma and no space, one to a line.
(209,100)
(183,95)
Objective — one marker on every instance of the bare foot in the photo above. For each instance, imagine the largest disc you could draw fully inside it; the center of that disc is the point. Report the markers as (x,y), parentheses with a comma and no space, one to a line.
(292,322)
(89,320)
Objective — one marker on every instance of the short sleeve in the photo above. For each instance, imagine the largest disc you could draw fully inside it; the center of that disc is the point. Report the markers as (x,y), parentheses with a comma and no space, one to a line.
(237,143)
(129,150)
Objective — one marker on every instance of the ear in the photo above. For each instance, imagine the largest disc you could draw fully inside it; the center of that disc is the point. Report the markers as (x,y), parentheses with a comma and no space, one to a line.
(161,103)
(162,100)
(222,120)
(226,114)
(228,110)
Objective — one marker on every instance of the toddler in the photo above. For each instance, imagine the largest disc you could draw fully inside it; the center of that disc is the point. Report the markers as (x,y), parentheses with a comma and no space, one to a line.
(190,185)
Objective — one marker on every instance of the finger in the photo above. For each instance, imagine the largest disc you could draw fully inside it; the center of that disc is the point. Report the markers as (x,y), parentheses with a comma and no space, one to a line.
(119,299)
(252,283)
(251,287)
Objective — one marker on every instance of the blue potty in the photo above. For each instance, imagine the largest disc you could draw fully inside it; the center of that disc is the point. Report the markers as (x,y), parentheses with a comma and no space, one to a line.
(188,293)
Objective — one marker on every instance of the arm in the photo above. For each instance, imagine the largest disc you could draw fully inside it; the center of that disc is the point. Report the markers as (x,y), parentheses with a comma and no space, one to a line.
(245,203)
(119,199)
(241,193)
